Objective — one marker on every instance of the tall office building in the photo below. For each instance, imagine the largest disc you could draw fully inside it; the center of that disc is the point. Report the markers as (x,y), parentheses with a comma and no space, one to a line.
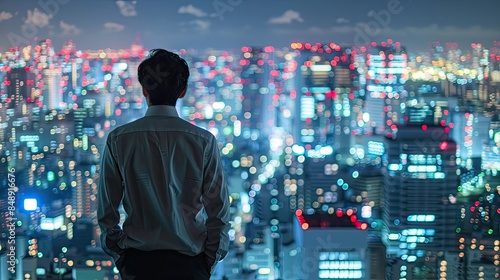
(334,246)
(52,96)
(20,86)
(490,157)
(327,92)
(420,196)
(385,79)
(257,75)
(470,131)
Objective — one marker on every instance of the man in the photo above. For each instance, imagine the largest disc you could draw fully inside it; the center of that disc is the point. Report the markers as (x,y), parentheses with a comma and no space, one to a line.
(169,176)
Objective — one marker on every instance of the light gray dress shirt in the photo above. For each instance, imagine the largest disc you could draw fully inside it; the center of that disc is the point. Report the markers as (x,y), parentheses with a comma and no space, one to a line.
(169,176)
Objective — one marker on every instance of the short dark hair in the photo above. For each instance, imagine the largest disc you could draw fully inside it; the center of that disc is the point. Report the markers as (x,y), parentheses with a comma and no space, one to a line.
(164,75)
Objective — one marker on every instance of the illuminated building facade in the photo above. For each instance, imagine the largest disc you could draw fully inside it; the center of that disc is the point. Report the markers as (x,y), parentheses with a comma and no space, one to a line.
(420,195)
(257,76)
(490,157)
(328,97)
(20,86)
(334,246)
(470,131)
(385,79)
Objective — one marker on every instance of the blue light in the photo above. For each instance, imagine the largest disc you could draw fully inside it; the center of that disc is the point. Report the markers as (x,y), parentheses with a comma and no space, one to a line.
(30,204)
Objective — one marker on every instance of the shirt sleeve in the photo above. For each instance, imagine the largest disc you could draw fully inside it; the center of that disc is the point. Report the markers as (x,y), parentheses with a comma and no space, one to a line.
(216,201)
(110,193)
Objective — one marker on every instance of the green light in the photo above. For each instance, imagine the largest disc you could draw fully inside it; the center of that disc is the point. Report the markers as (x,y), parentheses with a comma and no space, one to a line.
(459,188)
(227,130)
(19,223)
(458,230)
(50,176)
(64,249)
(490,231)
(40,254)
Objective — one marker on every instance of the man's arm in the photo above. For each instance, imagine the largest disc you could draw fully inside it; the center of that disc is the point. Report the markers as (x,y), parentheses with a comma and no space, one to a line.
(109,197)
(216,201)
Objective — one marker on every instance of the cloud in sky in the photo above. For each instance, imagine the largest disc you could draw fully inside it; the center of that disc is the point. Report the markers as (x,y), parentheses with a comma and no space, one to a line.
(342,20)
(287,17)
(191,10)
(113,27)
(200,24)
(38,18)
(127,8)
(5,16)
(69,29)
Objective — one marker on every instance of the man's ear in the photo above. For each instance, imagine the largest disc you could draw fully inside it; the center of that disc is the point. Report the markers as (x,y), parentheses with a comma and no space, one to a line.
(183,92)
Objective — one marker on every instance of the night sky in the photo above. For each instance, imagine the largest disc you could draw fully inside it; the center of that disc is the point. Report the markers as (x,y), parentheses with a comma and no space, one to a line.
(230,24)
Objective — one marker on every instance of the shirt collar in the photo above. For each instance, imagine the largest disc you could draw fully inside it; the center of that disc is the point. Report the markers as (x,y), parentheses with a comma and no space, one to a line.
(162,110)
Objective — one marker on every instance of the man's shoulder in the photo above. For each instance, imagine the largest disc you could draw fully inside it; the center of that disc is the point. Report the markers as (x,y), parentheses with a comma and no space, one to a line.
(125,128)
(174,124)
(200,131)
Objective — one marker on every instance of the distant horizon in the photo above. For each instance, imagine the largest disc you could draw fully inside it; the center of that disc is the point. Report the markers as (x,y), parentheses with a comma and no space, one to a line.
(231,24)
(488,45)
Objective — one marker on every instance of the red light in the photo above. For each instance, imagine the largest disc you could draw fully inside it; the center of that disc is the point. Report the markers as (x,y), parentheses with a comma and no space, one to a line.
(476,203)
(339,213)
(443,145)
(447,130)
(269,49)
(354,219)
(364,226)
(298,212)
(498,210)
(424,127)
(442,122)
(472,208)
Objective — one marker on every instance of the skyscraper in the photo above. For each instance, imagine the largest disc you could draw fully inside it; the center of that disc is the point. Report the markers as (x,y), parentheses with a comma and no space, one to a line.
(420,196)
(385,79)
(327,92)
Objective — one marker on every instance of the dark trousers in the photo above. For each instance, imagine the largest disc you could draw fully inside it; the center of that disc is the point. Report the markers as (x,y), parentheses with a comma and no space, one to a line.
(162,264)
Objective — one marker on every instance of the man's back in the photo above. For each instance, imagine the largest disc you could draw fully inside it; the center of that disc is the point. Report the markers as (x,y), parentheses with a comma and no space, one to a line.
(161,159)
(173,188)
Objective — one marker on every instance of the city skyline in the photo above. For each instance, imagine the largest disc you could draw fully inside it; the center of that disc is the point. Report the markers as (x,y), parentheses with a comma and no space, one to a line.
(369,159)
(226,24)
